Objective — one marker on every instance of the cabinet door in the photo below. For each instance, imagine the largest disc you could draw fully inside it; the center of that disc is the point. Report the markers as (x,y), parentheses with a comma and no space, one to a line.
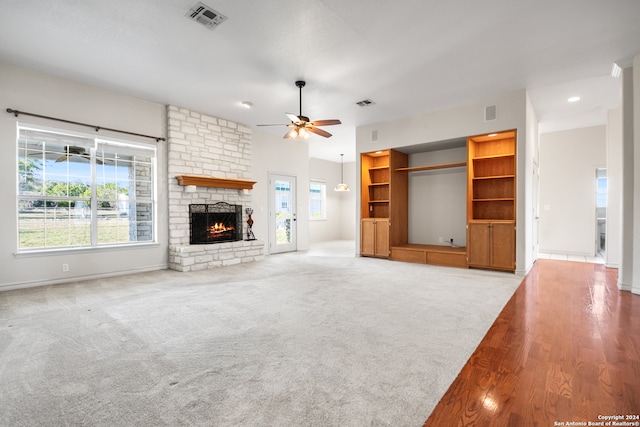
(478,244)
(382,237)
(367,237)
(503,236)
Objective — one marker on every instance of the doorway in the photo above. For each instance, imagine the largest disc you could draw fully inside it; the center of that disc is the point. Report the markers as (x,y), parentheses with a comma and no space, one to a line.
(601,211)
(282,213)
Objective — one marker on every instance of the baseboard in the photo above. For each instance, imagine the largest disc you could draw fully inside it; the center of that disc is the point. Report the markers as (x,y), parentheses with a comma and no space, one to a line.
(37,283)
(624,286)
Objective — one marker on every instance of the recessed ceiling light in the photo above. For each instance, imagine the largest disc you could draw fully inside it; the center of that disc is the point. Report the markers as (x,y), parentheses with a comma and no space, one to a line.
(247,104)
(574,99)
(493,134)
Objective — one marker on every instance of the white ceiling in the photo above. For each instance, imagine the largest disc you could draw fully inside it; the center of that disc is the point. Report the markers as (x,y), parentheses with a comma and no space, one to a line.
(408,56)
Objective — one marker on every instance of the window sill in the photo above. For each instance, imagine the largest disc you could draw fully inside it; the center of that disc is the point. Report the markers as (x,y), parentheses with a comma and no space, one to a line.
(82,250)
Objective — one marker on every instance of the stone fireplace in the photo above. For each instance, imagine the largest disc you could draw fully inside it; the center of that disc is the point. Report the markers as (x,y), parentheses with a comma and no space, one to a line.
(216,155)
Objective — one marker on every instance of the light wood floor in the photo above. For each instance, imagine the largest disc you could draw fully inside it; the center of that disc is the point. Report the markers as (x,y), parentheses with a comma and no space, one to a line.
(566,348)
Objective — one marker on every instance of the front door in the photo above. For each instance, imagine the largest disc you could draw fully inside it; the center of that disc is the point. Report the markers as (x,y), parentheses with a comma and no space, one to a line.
(282,213)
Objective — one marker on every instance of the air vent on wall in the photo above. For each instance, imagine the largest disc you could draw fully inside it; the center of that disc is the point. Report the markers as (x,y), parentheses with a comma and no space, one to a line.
(205,15)
(490,113)
(365,102)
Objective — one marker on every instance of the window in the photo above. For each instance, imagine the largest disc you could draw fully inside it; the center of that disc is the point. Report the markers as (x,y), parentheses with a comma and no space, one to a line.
(80,190)
(317,200)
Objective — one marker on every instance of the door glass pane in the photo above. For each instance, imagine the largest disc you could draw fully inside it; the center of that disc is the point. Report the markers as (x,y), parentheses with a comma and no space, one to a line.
(283,211)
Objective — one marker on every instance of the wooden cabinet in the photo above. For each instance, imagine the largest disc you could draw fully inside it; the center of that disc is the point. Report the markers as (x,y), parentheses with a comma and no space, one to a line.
(491,245)
(491,200)
(374,237)
(384,196)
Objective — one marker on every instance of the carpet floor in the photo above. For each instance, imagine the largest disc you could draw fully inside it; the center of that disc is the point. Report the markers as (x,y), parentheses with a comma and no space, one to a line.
(317,338)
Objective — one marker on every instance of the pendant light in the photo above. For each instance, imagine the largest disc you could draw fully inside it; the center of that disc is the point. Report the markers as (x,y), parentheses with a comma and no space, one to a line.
(342,186)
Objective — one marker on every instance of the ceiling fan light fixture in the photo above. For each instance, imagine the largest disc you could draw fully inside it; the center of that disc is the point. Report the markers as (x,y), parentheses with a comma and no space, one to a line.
(302,125)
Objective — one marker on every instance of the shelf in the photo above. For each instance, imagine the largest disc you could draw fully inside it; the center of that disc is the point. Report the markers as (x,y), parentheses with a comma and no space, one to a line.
(378,201)
(210,181)
(491,221)
(503,199)
(493,156)
(378,167)
(433,167)
(378,183)
(494,177)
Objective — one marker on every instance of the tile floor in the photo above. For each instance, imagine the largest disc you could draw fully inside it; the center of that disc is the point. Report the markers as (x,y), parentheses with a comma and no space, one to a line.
(577,258)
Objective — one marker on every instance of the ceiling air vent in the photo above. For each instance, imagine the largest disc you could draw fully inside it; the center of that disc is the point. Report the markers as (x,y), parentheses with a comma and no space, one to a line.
(365,102)
(206,16)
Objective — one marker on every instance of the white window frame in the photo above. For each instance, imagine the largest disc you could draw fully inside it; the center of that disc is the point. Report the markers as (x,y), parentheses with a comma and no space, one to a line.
(136,210)
(322,198)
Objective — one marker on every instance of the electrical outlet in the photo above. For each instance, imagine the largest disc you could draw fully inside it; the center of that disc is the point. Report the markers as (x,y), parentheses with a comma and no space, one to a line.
(441,239)
(65,268)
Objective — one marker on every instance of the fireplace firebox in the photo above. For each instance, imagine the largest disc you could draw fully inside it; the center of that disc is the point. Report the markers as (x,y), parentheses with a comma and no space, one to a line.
(215,223)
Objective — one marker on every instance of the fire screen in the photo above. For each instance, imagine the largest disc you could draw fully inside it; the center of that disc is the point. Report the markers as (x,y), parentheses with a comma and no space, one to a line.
(215,223)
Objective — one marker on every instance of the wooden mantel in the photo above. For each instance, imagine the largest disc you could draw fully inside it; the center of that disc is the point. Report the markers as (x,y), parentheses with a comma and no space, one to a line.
(210,181)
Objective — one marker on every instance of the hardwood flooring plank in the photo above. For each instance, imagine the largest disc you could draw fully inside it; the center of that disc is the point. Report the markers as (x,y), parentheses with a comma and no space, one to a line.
(566,347)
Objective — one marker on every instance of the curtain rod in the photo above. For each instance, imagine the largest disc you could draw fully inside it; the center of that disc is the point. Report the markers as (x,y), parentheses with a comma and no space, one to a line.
(97,128)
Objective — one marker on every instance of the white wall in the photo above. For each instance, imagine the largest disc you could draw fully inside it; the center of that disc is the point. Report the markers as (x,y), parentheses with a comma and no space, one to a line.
(29,91)
(273,154)
(462,121)
(527,172)
(350,222)
(625,271)
(614,190)
(438,198)
(635,255)
(340,222)
(568,162)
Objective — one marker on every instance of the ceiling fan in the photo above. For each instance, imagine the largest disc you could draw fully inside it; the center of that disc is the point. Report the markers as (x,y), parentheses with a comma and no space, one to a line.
(74,153)
(301,125)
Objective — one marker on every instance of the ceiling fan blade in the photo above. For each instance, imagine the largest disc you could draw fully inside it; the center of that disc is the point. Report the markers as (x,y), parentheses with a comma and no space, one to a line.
(318,131)
(326,122)
(294,118)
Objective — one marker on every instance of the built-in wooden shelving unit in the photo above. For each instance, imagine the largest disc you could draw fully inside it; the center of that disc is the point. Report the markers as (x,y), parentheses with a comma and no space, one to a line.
(491,201)
(383,220)
(491,205)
